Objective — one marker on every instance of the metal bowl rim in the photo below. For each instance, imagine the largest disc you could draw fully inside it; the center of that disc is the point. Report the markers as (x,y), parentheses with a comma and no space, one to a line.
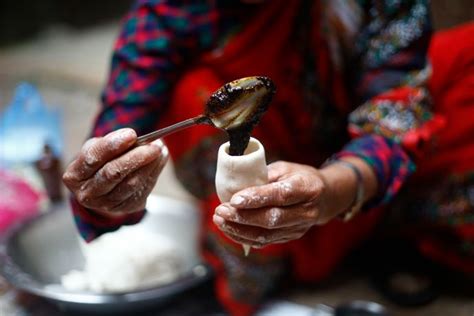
(11,271)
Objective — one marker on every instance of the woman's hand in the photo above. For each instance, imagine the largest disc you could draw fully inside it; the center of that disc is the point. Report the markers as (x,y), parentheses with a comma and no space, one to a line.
(110,177)
(296,198)
(283,210)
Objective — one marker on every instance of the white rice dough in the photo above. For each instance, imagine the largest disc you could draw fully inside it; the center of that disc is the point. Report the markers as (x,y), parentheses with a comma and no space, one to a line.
(235,173)
(125,260)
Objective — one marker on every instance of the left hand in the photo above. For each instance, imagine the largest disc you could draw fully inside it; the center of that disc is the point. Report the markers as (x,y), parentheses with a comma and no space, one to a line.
(295,199)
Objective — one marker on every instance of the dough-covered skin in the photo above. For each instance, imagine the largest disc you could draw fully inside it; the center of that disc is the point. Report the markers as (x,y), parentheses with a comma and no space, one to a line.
(111,177)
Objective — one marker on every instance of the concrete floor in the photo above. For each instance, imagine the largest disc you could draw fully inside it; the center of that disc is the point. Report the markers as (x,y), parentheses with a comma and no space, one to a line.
(70,67)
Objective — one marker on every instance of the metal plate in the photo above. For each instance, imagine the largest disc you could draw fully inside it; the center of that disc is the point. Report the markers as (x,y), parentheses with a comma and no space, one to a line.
(353,308)
(36,254)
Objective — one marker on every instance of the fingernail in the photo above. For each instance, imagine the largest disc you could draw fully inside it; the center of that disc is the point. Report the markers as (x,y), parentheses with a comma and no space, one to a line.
(158,143)
(218,220)
(223,211)
(120,136)
(162,147)
(121,133)
(237,200)
(164,151)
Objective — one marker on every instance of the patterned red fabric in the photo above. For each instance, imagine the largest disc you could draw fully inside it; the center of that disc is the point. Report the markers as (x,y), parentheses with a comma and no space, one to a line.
(452,87)
(452,90)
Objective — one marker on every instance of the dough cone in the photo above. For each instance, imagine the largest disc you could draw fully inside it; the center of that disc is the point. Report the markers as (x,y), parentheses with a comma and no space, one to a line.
(235,173)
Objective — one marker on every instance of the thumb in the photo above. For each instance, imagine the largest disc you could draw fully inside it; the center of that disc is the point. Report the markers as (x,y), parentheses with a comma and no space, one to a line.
(278,170)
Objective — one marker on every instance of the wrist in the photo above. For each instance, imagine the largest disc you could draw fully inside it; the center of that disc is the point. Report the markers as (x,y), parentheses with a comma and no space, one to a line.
(369,179)
(341,188)
(352,180)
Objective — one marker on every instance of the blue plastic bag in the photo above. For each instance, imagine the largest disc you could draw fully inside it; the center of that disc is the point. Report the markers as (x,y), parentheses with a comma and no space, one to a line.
(26,125)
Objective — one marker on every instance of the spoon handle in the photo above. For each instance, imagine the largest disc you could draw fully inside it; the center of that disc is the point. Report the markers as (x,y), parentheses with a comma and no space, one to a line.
(147,138)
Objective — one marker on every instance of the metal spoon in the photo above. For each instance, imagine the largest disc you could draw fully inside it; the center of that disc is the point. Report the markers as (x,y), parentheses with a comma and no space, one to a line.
(237,103)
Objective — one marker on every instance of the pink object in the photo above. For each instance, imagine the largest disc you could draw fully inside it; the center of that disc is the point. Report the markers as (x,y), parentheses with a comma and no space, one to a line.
(18,200)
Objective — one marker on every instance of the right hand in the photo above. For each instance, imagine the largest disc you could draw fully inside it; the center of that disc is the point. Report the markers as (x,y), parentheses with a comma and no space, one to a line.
(111,177)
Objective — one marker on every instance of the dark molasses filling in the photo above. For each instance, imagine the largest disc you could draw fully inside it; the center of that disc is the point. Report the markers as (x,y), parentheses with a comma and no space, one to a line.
(227,99)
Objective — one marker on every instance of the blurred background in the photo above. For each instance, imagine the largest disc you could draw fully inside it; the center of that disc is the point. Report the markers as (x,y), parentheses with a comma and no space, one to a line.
(63,48)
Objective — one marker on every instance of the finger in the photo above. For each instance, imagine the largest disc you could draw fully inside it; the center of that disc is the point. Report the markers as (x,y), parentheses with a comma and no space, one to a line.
(295,189)
(244,241)
(278,169)
(261,242)
(137,181)
(258,245)
(130,205)
(135,202)
(256,234)
(98,151)
(270,217)
(140,196)
(297,235)
(144,178)
(115,171)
